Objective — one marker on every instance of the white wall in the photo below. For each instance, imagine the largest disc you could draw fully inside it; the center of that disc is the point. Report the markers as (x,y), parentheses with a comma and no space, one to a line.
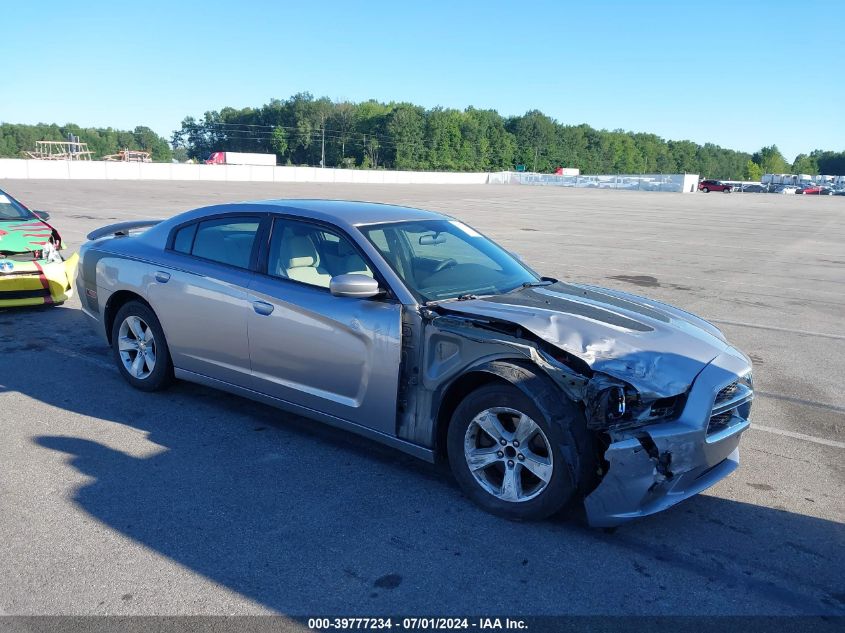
(690,183)
(15,168)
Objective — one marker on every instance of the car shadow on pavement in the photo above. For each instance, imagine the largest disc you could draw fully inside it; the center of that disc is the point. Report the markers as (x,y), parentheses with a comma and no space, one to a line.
(305,519)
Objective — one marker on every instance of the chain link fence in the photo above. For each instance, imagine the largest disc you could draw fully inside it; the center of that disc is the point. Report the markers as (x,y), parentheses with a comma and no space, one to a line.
(634,182)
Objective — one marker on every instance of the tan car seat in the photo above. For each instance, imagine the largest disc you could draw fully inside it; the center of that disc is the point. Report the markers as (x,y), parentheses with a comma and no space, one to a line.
(302,262)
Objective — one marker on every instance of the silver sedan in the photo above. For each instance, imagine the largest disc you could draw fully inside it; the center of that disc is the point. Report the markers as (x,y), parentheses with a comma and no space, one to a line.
(413,329)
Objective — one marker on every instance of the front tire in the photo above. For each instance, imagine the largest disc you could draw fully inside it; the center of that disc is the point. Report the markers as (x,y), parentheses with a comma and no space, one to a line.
(140,349)
(509,458)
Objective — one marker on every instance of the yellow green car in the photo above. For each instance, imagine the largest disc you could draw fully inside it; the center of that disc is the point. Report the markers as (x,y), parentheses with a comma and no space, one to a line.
(32,269)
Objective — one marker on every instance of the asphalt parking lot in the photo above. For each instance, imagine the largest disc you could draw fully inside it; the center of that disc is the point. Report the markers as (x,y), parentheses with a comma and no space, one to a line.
(191,501)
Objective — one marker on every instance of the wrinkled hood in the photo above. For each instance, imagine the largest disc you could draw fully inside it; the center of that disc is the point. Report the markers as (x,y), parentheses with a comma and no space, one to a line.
(656,348)
(23,236)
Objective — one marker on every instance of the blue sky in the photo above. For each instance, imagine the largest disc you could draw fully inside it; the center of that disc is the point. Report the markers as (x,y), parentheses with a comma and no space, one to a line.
(739,74)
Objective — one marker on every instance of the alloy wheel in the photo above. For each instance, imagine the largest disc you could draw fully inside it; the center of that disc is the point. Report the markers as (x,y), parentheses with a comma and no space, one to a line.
(137,347)
(508,454)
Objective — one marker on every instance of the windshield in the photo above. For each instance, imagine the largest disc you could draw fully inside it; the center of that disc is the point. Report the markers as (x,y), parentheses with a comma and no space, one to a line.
(446,259)
(9,210)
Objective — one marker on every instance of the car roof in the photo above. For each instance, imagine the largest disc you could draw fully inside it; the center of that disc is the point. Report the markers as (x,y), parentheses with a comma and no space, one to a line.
(341,212)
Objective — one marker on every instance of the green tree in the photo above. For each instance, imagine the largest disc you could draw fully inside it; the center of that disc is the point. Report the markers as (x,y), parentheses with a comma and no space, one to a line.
(344,120)
(804,164)
(752,171)
(279,141)
(372,129)
(771,160)
(406,130)
(535,134)
(830,163)
(443,135)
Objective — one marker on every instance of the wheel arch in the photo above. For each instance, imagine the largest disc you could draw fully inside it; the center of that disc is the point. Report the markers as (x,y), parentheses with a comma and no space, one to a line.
(115,302)
(522,374)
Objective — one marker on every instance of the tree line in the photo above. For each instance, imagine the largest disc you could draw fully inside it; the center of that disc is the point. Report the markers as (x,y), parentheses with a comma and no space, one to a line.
(769,160)
(304,130)
(16,139)
(371,134)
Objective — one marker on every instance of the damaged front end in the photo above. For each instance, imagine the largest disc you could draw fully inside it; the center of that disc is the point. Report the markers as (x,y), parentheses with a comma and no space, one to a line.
(652,466)
(32,270)
(36,277)
(653,449)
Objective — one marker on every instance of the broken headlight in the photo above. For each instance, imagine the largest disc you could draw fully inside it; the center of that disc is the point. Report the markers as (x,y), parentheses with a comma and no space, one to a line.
(621,407)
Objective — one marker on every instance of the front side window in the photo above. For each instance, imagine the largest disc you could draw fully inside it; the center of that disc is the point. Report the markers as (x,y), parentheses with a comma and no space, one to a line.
(225,240)
(311,254)
(445,259)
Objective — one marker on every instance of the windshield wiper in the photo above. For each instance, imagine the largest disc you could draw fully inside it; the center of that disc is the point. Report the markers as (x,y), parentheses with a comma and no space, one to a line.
(464,297)
(545,281)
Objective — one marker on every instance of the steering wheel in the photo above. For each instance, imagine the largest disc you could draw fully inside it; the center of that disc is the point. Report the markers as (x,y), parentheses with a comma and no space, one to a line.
(446,263)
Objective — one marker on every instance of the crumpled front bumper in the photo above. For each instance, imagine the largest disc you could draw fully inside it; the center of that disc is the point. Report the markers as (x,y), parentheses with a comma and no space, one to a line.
(654,467)
(34,282)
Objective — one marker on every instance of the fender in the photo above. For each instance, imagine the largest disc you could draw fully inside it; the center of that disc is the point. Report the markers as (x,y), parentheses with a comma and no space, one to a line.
(528,378)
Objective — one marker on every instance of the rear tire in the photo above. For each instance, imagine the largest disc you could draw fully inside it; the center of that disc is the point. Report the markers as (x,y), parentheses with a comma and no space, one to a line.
(706,190)
(726,190)
(140,349)
(522,480)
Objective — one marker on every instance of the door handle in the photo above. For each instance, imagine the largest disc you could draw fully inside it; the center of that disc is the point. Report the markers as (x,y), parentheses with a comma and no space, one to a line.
(262,307)
(162,277)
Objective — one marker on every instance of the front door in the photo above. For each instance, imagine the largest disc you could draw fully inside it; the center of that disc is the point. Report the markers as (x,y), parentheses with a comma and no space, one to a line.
(335,355)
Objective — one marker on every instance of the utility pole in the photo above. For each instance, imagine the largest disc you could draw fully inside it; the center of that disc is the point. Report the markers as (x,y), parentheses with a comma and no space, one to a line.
(323,158)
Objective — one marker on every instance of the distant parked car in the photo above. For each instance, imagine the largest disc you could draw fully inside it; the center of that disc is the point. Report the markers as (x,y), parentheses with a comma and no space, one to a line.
(755,189)
(714,185)
(815,190)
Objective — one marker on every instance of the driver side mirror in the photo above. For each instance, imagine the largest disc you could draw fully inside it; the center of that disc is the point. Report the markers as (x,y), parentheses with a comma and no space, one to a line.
(354,285)
(43,215)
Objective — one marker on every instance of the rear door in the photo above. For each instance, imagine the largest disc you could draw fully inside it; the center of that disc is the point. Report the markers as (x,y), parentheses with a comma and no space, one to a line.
(200,296)
(336,355)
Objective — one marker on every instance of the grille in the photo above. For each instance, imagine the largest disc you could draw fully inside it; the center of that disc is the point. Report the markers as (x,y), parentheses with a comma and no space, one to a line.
(727,392)
(21,257)
(719,422)
(731,407)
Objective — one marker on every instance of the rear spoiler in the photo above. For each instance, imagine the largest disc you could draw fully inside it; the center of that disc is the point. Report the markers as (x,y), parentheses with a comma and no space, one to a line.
(121,228)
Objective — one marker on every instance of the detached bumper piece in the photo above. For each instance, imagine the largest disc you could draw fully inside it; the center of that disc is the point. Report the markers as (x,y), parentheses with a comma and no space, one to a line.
(36,282)
(656,466)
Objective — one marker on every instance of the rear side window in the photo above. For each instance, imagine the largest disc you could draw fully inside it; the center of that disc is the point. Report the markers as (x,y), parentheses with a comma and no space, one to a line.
(185,239)
(225,240)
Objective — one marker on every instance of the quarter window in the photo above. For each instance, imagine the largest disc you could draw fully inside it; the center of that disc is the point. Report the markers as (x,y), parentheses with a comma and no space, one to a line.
(185,238)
